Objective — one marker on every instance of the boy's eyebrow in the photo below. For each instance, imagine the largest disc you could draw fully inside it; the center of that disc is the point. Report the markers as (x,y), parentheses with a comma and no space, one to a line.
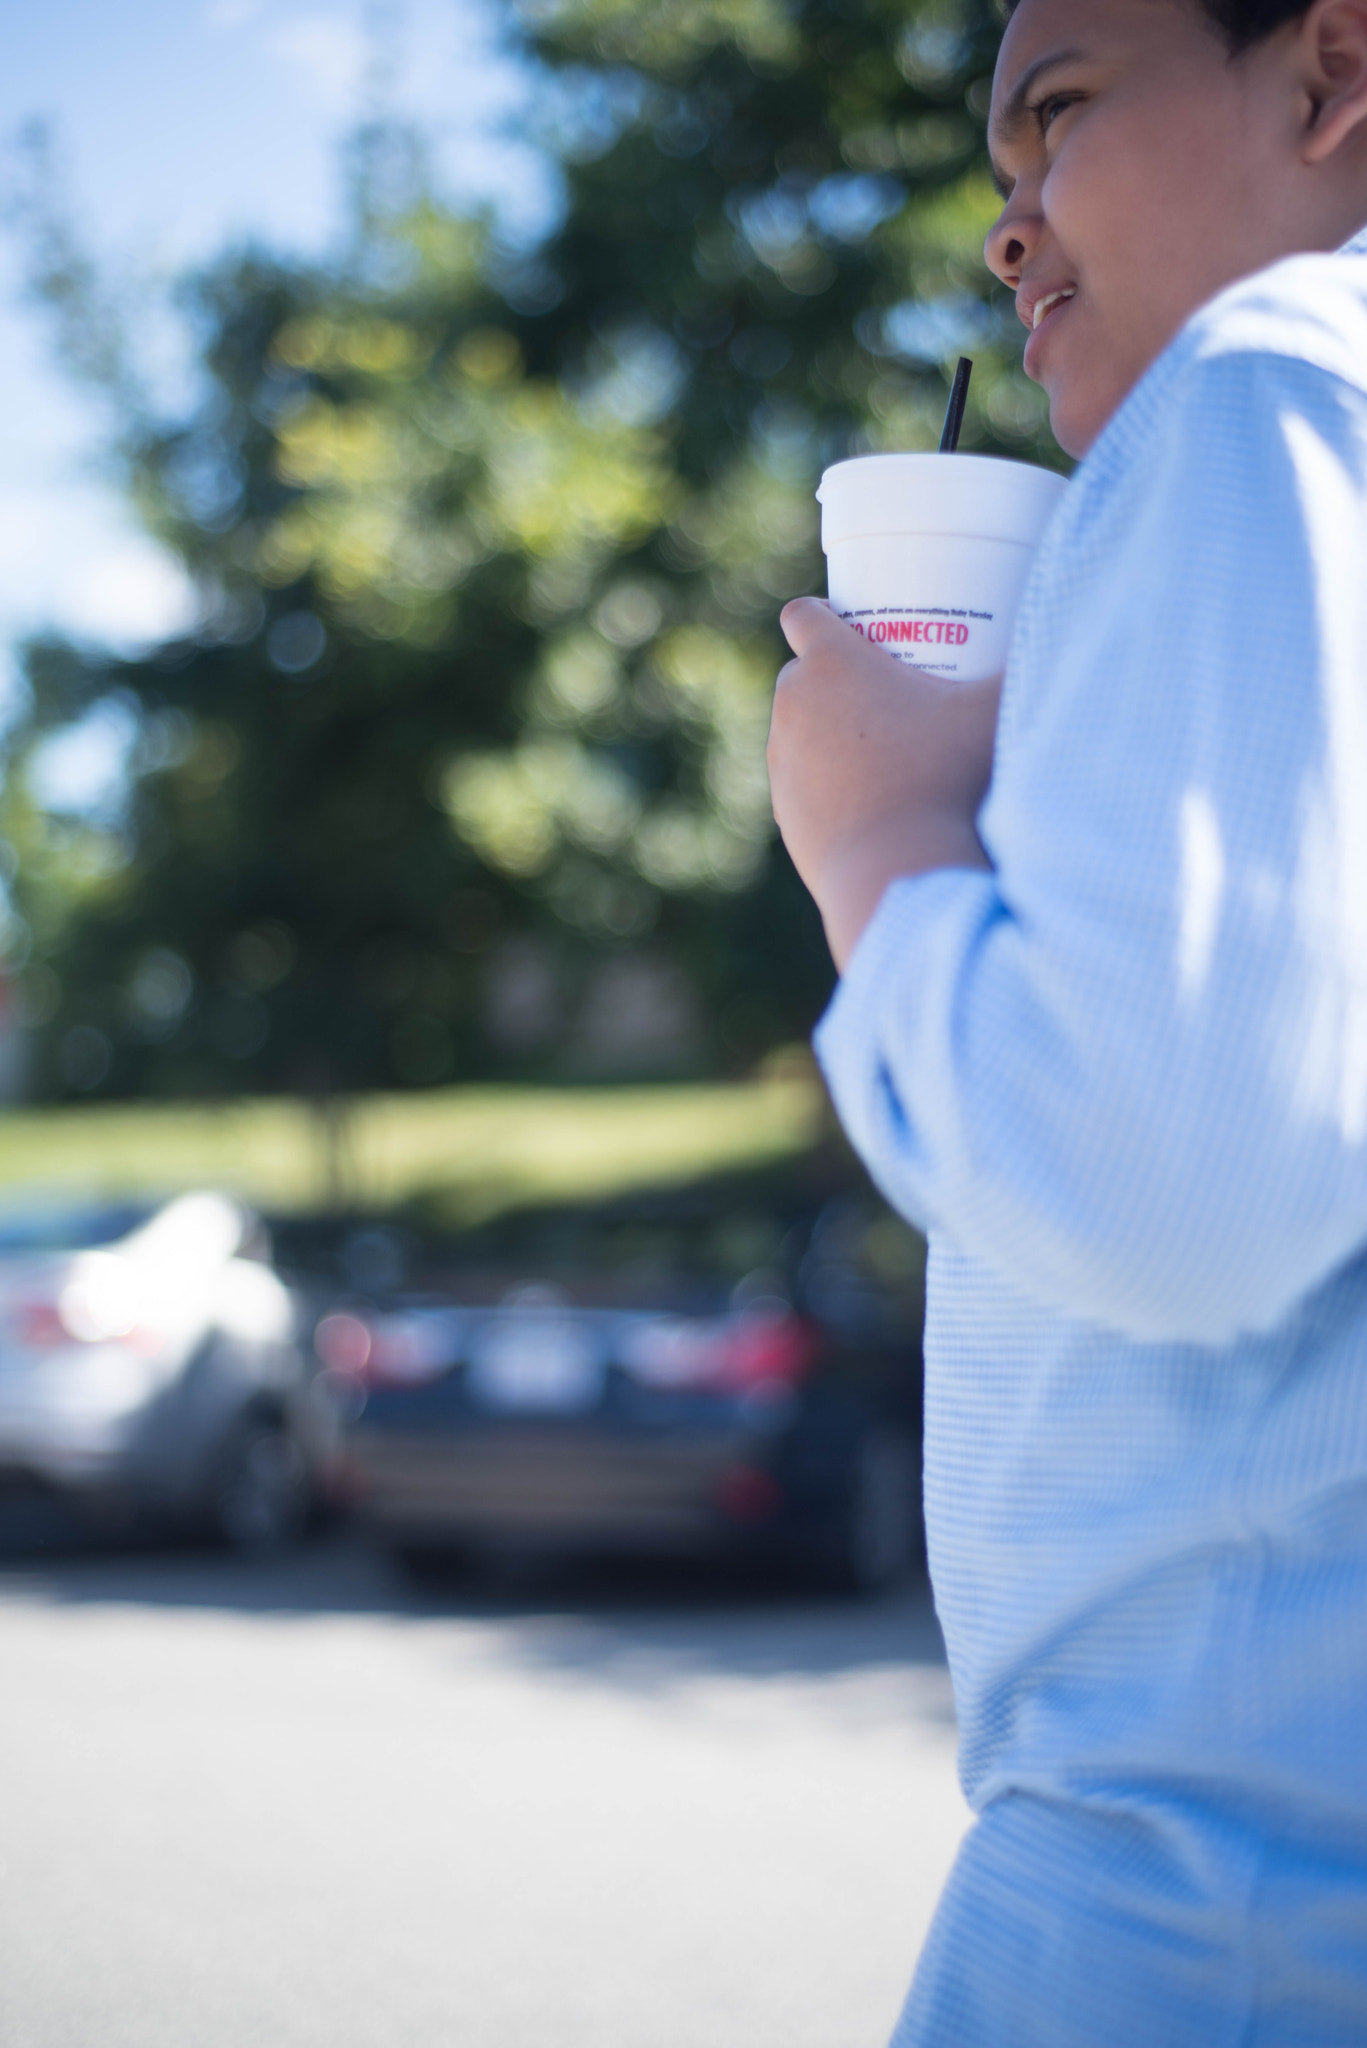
(1012,117)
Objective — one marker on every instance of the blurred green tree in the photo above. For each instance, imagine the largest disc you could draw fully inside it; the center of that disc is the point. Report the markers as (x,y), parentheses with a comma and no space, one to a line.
(462,771)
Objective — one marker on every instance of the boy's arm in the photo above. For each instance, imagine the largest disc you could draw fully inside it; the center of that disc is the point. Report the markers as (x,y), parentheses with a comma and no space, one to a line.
(1128,1069)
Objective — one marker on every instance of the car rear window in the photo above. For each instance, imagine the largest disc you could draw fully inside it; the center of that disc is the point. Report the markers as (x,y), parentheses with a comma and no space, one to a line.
(713,1244)
(67,1230)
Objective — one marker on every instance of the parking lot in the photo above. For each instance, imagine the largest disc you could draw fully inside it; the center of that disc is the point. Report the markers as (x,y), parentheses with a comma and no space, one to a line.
(605,1807)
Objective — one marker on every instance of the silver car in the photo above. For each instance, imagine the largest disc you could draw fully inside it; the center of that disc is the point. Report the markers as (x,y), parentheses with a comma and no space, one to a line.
(153,1362)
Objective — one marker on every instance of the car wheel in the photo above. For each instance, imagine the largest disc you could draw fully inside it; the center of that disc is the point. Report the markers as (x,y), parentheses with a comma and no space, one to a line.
(880,1538)
(261,1490)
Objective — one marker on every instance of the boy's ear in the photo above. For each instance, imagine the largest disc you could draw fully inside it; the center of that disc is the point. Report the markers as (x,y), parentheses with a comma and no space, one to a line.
(1332,46)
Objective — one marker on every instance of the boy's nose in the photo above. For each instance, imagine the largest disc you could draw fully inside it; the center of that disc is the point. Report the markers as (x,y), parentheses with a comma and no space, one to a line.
(1009,245)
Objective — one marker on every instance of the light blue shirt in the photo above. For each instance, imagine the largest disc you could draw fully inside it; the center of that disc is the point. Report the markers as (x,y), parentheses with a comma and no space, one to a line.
(1123,1081)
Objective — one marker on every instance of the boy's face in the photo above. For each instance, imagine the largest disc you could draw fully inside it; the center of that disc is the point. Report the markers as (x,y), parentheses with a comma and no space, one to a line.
(1143,170)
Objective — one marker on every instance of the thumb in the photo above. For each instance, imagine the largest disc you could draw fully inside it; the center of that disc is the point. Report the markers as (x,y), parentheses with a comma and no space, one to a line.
(804,620)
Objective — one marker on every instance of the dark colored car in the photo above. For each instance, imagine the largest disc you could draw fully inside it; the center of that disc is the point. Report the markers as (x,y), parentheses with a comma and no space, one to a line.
(736,1364)
(153,1362)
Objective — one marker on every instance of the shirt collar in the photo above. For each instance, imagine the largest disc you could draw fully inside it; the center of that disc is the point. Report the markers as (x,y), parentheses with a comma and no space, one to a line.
(1358,245)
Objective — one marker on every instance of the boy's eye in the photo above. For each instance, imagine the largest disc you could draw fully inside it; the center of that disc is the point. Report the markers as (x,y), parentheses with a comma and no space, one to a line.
(1049,110)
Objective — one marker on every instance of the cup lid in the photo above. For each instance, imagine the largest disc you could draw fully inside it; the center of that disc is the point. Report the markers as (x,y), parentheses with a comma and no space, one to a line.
(981,496)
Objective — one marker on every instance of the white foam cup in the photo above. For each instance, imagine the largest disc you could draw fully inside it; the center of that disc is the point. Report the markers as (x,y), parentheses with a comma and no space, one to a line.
(927,555)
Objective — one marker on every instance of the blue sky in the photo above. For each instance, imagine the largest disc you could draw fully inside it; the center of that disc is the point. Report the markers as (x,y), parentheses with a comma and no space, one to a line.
(184,125)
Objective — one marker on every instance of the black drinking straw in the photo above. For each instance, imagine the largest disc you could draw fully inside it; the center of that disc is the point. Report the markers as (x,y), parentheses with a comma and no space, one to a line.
(958,398)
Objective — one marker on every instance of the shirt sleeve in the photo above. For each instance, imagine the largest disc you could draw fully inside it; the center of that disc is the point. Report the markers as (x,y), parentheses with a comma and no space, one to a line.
(1128,1069)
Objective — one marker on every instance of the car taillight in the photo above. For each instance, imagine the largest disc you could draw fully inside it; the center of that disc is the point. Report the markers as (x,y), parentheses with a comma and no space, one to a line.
(343,1344)
(763,1347)
(38,1325)
(774,1349)
(404,1350)
(89,1310)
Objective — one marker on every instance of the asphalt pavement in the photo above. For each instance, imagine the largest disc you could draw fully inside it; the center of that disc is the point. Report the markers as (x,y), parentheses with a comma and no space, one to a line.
(303,1806)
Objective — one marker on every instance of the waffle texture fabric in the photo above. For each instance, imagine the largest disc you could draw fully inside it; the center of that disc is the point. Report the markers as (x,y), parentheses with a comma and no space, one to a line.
(1123,1082)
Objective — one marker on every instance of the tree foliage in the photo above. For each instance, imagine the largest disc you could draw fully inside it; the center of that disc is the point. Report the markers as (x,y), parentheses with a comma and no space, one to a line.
(463,770)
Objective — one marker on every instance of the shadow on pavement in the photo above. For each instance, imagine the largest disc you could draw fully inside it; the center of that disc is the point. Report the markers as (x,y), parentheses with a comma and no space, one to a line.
(590,1615)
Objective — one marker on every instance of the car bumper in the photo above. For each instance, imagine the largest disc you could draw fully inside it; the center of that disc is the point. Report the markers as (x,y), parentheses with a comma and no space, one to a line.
(62,1449)
(563,1486)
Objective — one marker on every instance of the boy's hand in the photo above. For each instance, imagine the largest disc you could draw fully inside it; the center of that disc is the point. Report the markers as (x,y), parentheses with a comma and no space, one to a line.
(877,769)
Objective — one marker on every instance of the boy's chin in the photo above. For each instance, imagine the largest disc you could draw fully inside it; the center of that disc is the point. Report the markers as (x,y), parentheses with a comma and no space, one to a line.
(1075,424)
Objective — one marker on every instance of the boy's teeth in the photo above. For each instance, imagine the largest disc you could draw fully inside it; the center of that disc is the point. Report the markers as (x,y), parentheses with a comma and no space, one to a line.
(1044,307)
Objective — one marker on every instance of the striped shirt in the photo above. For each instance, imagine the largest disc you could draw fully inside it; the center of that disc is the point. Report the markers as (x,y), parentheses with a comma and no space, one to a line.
(1123,1081)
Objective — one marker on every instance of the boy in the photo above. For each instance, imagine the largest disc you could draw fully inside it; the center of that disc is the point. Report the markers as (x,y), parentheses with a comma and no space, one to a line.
(1106,1033)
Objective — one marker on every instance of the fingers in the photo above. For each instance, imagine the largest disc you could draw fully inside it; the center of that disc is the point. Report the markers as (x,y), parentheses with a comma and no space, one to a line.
(827,652)
(805,620)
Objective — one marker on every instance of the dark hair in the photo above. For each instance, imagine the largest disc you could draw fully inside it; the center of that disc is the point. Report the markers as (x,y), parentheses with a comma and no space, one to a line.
(1242,23)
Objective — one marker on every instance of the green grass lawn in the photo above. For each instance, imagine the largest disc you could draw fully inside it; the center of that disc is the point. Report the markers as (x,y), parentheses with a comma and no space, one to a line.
(465,1153)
